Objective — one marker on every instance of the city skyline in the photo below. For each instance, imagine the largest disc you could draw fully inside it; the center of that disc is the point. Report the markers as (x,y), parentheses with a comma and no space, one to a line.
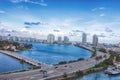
(38,18)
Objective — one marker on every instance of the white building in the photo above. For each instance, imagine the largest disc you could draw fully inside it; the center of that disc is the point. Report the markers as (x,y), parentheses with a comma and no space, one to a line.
(50,38)
(95,40)
(84,38)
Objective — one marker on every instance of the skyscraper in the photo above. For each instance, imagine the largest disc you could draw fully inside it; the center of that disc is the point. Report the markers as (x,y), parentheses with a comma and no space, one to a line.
(50,38)
(66,39)
(84,38)
(95,40)
(59,39)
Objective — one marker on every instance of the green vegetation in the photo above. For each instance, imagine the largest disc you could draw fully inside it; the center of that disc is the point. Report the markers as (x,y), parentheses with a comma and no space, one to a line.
(108,61)
(31,67)
(65,76)
(80,59)
(79,73)
(94,52)
(34,67)
(90,70)
(14,46)
(71,61)
(114,54)
(63,62)
(102,50)
(14,71)
(98,58)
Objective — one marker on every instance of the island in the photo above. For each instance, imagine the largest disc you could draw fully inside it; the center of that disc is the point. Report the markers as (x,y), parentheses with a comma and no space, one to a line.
(14,46)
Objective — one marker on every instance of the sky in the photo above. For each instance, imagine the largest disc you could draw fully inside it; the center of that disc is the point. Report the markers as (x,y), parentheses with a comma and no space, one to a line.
(38,18)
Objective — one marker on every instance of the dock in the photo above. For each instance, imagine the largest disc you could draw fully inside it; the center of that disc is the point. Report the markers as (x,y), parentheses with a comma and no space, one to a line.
(20,57)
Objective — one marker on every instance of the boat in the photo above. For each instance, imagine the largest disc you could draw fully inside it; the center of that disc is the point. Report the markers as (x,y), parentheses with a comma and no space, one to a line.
(112,70)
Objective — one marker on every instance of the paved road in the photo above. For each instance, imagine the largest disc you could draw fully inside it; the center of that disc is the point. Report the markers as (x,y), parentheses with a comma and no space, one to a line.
(54,71)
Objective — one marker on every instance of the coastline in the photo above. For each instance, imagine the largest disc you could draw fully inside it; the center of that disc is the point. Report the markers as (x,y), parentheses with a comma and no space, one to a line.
(80,67)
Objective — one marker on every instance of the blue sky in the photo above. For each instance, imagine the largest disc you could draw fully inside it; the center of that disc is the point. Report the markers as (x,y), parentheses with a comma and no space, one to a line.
(38,18)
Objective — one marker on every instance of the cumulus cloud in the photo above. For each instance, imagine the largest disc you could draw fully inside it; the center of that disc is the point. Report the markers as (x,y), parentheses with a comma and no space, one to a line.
(41,3)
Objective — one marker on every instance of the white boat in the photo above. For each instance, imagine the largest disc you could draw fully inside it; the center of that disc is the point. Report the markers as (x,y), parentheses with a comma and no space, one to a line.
(112,70)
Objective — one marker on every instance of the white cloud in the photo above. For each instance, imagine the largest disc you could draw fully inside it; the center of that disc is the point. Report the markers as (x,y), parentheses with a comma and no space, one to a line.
(102,8)
(30,1)
(39,3)
(102,14)
(94,9)
(16,1)
(2,12)
(99,8)
(23,7)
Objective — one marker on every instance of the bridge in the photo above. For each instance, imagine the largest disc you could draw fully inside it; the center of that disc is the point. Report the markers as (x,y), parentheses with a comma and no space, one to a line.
(26,59)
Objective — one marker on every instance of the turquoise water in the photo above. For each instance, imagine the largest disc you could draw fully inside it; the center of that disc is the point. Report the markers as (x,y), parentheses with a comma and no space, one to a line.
(54,53)
(99,76)
(8,64)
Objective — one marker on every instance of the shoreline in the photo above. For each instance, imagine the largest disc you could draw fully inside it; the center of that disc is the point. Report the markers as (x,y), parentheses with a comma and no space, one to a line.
(80,67)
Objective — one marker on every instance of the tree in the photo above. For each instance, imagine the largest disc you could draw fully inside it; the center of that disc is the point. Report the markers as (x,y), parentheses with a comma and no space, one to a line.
(79,73)
(65,76)
(94,52)
(103,50)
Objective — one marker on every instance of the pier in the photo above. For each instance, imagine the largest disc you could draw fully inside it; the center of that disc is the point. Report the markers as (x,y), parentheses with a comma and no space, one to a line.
(26,59)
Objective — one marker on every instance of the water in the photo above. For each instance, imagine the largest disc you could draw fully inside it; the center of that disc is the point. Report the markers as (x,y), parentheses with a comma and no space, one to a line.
(99,76)
(49,54)
(54,53)
(8,64)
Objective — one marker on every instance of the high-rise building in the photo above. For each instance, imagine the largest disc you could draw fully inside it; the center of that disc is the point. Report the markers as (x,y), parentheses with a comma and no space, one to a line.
(50,38)
(84,38)
(13,38)
(95,40)
(59,39)
(66,39)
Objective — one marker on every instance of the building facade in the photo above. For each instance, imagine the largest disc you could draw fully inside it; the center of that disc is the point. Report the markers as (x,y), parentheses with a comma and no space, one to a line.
(50,38)
(84,38)
(59,39)
(95,40)
(66,39)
